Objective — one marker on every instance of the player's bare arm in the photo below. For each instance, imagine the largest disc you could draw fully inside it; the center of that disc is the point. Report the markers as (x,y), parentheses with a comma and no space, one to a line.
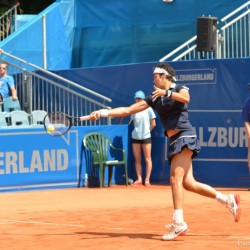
(119,112)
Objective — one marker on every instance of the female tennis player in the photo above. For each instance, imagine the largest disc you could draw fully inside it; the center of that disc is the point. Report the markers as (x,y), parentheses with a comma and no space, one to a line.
(170,101)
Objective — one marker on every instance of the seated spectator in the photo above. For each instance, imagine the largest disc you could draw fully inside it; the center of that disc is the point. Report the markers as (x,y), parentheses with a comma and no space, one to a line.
(7,85)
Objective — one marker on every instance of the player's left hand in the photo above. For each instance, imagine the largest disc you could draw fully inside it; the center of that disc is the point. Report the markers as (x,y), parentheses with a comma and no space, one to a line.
(158,92)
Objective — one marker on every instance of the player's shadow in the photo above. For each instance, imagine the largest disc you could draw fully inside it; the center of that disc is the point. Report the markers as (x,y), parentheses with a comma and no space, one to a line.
(118,172)
(117,235)
(149,236)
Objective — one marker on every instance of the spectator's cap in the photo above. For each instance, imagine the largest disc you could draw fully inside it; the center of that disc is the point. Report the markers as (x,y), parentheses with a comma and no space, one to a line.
(139,94)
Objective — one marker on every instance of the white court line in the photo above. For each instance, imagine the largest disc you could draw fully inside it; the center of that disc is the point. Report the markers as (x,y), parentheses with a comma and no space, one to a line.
(5,221)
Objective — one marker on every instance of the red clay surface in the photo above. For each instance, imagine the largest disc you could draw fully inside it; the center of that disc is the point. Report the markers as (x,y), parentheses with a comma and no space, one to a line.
(117,218)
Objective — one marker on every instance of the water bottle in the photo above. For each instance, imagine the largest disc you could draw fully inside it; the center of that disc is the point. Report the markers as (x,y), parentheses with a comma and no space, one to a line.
(86,180)
(130,181)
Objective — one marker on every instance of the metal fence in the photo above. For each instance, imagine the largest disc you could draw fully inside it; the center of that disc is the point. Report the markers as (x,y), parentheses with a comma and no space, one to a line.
(39,89)
(233,39)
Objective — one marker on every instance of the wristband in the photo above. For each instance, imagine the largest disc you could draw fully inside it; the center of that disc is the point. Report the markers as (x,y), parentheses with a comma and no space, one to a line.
(168,93)
(104,112)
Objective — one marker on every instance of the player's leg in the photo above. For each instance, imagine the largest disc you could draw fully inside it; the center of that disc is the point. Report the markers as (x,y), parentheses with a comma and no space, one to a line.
(146,147)
(231,201)
(190,184)
(180,164)
(138,168)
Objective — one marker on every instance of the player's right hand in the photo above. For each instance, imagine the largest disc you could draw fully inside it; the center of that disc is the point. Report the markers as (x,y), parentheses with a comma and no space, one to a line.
(95,115)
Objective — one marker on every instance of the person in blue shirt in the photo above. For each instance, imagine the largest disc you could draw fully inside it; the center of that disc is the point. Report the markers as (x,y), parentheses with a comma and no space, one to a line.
(170,101)
(7,86)
(144,123)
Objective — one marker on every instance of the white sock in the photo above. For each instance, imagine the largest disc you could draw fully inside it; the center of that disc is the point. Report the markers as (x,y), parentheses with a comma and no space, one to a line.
(222,198)
(178,216)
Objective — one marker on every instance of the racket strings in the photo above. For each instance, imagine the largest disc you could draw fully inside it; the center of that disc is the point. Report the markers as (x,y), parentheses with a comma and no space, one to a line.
(57,123)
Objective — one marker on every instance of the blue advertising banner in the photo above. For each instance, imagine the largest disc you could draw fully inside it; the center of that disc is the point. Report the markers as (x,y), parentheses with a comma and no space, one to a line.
(35,159)
(32,159)
(218,89)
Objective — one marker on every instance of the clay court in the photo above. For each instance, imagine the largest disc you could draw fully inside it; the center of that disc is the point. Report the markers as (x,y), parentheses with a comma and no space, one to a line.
(117,218)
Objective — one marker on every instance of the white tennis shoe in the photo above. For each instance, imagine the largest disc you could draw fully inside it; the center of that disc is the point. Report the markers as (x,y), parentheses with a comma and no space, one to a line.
(233,204)
(175,231)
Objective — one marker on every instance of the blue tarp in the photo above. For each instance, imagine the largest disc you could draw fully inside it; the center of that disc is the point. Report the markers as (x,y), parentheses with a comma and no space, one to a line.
(27,41)
(83,33)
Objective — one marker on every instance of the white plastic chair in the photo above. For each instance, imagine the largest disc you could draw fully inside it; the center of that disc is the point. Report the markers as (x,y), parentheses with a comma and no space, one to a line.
(37,117)
(3,122)
(19,118)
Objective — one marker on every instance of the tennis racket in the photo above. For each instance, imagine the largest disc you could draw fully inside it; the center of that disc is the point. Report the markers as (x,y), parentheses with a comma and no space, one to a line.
(59,123)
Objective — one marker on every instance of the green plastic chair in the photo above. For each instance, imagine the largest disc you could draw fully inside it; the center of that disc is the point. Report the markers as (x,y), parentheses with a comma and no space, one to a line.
(100,145)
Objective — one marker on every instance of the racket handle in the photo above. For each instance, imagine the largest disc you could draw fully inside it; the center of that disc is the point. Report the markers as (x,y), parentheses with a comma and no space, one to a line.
(85,117)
